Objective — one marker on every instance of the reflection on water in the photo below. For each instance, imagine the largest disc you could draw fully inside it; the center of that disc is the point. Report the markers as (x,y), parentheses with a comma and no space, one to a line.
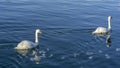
(108,41)
(108,38)
(34,52)
(36,57)
(23,51)
(66,26)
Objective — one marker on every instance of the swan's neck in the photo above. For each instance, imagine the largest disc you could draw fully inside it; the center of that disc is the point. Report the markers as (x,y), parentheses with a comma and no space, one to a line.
(109,24)
(36,37)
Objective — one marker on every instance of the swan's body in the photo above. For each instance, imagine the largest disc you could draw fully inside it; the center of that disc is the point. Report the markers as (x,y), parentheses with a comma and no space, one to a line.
(25,44)
(102,30)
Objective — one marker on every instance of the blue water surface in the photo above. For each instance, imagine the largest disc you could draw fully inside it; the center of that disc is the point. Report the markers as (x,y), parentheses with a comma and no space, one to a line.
(66,41)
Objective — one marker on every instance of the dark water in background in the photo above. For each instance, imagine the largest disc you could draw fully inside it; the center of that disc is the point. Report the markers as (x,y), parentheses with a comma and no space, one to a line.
(66,41)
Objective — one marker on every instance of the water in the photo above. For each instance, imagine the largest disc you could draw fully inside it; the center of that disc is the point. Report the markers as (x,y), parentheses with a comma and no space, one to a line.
(66,41)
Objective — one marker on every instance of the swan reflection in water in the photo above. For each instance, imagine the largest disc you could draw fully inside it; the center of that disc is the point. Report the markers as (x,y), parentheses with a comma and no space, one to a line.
(108,38)
(32,52)
(108,41)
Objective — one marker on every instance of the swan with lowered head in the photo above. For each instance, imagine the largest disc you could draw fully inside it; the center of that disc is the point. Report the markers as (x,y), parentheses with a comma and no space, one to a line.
(102,30)
(25,44)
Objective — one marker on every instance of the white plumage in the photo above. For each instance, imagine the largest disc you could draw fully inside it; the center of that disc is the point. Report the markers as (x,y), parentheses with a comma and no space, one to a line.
(25,44)
(102,30)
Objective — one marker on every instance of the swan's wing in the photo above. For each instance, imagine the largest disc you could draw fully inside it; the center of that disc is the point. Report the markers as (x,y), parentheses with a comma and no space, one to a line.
(100,30)
(26,45)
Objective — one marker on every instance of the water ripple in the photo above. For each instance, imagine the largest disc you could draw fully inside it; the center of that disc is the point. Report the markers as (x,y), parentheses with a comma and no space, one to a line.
(9,62)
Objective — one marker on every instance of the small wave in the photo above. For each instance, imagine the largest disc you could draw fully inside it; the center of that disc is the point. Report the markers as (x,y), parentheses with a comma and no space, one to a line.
(107,56)
(9,62)
(90,57)
(117,49)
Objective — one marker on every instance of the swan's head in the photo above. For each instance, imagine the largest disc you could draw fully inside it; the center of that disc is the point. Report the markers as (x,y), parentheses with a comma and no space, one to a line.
(109,17)
(38,31)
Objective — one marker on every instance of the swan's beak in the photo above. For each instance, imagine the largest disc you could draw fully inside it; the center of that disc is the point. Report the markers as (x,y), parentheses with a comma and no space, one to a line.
(111,17)
(40,32)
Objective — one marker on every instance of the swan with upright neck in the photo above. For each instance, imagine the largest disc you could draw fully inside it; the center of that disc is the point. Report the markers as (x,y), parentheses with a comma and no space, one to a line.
(102,30)
(26,44)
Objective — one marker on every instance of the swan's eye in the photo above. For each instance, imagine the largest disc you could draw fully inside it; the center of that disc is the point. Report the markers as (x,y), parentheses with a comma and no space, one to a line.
(110,17)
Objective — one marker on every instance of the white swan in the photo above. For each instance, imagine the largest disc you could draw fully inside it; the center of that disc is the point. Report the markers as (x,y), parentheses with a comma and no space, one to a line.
(102,30)
(25,44)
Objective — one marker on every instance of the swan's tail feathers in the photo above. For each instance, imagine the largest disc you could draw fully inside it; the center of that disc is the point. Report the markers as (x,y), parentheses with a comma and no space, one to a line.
(93,32)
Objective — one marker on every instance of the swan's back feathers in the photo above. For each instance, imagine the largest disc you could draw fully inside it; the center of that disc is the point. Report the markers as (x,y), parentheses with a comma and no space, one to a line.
(100,30)
(26,45)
